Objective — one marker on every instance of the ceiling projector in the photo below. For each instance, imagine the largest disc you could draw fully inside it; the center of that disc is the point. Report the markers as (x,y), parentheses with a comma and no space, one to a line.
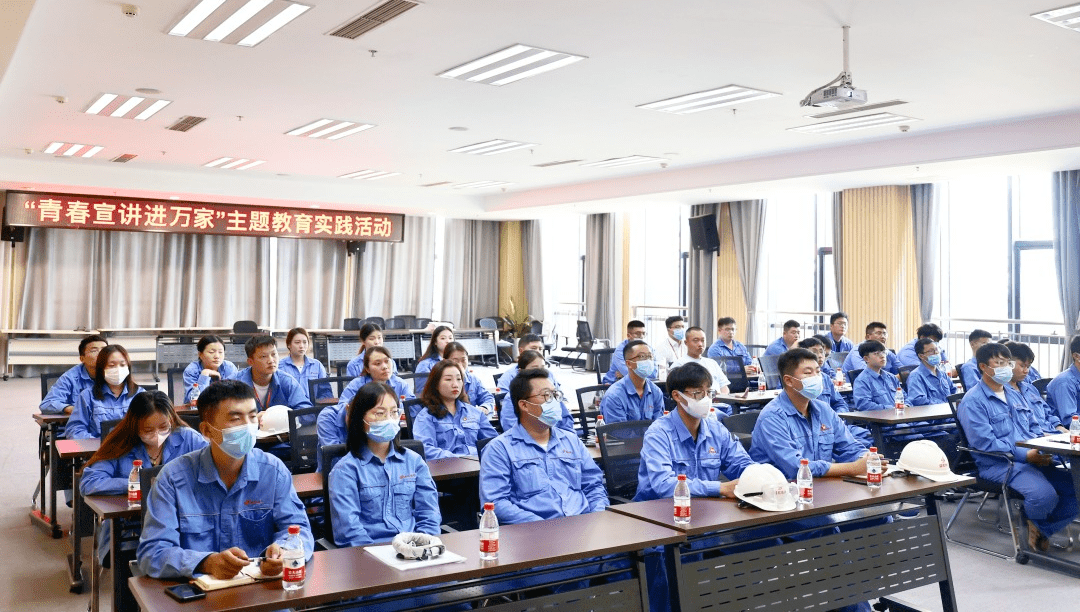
(838,93)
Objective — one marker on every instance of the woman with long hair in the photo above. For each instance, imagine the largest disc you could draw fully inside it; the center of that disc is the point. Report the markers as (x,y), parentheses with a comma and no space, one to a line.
(380,489)
(208,367)
(301,367)
(107,398)
(150,432)
(371,334)
(442,336)
(449,426)
(477,394)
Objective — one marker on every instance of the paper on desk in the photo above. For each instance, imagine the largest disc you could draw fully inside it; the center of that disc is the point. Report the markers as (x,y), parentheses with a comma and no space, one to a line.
(388,555)
(248,574)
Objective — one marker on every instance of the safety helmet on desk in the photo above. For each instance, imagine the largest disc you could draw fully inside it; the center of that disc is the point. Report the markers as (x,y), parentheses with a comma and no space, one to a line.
(764,486)
(925,458)
(275,420)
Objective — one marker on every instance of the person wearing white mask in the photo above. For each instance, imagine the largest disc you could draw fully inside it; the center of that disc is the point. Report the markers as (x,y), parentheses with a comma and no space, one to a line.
(536,471)
(150,432)
(695,353)
(673,347)
(213,510)
(108,398)
(634,397)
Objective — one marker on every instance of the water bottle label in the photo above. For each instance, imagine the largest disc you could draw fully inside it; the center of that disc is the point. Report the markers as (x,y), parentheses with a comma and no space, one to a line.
(806,492)
(134,492)
(294,570)
(682,511)
(873,477)
(489,546)
(1074,439)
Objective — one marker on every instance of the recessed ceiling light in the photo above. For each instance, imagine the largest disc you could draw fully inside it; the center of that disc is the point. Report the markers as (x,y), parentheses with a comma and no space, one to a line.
(511,64)
(369,175)
(558,163)
(712,98)
(629,160)
(852,123)
(332,129)
(229,163)
(253,23)
(68,149)
(492,147)
(126,107)
(1067,17)
(857,109)
(481,184)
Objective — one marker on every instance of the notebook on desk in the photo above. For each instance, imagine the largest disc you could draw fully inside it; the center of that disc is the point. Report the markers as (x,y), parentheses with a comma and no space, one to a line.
(249,574)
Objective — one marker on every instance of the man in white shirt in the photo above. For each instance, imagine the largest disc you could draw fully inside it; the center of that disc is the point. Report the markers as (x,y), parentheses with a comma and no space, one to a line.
(673,347)
(695,349)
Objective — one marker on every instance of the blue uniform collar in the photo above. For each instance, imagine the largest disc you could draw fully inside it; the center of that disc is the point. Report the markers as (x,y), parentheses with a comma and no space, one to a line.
(366,456)
(628,388)
(518,435)
(785,404)
(208,472)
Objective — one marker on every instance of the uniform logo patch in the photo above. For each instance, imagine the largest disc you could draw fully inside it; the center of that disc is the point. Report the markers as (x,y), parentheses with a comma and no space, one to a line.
(712,450)
(252,502)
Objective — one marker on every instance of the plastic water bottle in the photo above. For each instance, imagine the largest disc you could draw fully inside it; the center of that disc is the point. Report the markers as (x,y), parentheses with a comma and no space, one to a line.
(873,469)
(712,414)
(682,501)
(838,378)
(761,384)
(805,481)
(898,401)
(292,558)
(194,401)
(489,533)
(134,485)
(1074,434)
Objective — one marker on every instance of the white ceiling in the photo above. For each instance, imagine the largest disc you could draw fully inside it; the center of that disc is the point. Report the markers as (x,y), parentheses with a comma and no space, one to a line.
(995,91)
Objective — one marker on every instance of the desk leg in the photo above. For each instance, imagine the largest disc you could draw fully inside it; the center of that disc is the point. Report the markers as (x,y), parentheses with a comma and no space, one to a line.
(75,567)
(40,512)
(948,596)
(54,464)
(95,570)
(673,568)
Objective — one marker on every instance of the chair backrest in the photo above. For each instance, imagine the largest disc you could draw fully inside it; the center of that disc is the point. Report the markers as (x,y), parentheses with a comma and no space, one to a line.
(906,371)
(340,381)
(495,380)
(381,322)
(342,368)
(836,358)
(411,407)
(588,399)
(331,454)
(147,478)
(741,423)
(853,374)
(108,426)
(756,350)
(771,368)
(602,362)
(480,444)
(148,386)
(192,420)
(488,323)
(394,323)
(303,440)
(584,333)
(1041,385)
(536,327)
(733,367)
(415,446)
(48,379)
(422,322)
(409,320)
(351,324)
(960,369)
(962,461)
(174,378)
(620,448)
(245,327)
(411,377)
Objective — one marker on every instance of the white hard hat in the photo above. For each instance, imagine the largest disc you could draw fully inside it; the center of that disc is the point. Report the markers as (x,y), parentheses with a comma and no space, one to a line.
(925,458)
(275,420)
(764,486)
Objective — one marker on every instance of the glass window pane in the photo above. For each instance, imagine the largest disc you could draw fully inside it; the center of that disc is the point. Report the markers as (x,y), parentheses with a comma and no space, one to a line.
(1035,211)
(1039,299)
(979,249)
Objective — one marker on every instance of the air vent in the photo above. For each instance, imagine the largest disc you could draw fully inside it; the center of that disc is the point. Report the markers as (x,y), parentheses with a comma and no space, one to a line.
(185,123)
(436,184)
(857,109)
(125,158)
(373,19)
(558,163)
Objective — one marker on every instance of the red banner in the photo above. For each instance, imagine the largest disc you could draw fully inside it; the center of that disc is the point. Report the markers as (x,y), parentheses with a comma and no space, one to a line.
(140,215)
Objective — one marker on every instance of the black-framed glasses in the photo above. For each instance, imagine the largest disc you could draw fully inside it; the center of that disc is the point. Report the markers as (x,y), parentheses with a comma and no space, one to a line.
(696,395)
(549,395)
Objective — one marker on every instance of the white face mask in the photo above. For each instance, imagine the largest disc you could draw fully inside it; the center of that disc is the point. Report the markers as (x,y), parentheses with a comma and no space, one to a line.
(697,408)
(116,374)
(156,439)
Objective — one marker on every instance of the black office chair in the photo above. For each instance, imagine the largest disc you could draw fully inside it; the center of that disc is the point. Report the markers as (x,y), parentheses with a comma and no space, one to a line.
(147,478)
(585,341)
(756,350)
(480,444)
(410,320)
(192,420)
(341,367)
(174,379)
(770,367)
(852,375)
(331,454)
(742,425)
(415,446)
(421,323)
(735,370)
(492,323)
(620,449)
(303,440)
(588,399)
(394,323)
(412,376)
(602,362)
(108,426)
(906,371)
(411,407)
(48,379)
(381,322)
(1041,385)
(960,369)
(340,381)
(537,327)
(351,324)
(243,329)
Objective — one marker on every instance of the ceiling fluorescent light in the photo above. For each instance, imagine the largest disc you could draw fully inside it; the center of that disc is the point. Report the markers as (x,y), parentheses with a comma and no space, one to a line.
(311,126)
(236,20)
(492,147)
(123,109)
(481,184)
(123,106)
(857,109)
(100,103)
(331,129)
(624,161)
(251,164)
(1067,17)
(73,149)
(350,132)
(235,163)
(511,64)
(67,149)
(276,23)
(705,100)
(369,175)
(196,16)
(217,161)
(153,108)
(52,148)
(92,151)
(331,133)
(852,123)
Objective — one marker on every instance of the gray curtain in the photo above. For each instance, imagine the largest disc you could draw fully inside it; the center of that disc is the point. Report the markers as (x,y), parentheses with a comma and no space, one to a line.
(1066,209)
(311,284)
(925,212)
(470,271)
(397,278)
(603,274)
(748,227)
(701,292)
(89,279)
(838,244)
(531,257)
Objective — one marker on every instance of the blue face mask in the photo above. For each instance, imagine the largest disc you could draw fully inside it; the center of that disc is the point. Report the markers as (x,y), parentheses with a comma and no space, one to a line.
(1003,375)
(383,431)
(934,360)
(811,387)
(645,369)
(551,412)
(679,333)
(238,441)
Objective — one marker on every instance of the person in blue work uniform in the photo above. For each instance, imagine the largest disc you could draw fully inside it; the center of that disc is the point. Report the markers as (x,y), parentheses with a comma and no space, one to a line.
(1063,393)
(442,336)
(928,384)
(447,424)
(798,425)
(879,332)
(838,341)
(380,489)
(107,399)
(271,387)
(787,340)
(634,397)
(995,417)
(727,346)
(301,367)
(875,388)
(827,368)
(208,367)
(829,393)
(536,471)
(635,330)
(151,432)
(64,394)
(530,360)
(370,335)
(1023,356)
(969,370)
(907,354)
(212,510)
(477,394)
(528,342)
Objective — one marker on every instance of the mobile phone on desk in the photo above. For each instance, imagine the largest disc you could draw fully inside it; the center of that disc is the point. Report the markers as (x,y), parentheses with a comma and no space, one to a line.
(185,592)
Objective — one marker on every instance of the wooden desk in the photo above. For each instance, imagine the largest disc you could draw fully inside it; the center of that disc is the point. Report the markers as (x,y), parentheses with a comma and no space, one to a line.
(877,420)
(860,563)
(44,515)
(754,398)
(526,553)
(1058,444)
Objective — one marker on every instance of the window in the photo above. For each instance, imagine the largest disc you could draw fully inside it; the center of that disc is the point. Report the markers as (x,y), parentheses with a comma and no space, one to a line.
(658,234)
